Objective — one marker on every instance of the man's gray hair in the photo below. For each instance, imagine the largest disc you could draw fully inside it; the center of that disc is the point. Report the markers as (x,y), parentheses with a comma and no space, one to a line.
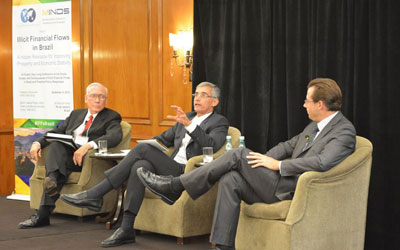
(95,84)
(215,91)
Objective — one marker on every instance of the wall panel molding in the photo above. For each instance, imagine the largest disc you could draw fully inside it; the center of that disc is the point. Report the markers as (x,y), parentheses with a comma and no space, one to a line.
(122,44)
(7,170)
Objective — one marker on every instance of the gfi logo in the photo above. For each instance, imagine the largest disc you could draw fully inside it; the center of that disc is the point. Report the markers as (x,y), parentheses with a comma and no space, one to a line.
(28,15)
(60,11)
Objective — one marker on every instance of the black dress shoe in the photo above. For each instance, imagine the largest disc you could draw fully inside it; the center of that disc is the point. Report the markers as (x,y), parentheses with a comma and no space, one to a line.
(81,200)
(34,221)
(119,237)
(160,185)
(50,187)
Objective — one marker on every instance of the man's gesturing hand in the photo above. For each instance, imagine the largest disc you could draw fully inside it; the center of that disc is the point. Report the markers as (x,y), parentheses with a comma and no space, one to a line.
(180,116)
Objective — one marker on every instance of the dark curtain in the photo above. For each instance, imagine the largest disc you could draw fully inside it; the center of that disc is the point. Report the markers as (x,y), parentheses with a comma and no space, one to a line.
(262,54)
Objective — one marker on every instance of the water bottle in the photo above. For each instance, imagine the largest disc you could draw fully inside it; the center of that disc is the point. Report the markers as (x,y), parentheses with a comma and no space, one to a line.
(228,145)
(241,142)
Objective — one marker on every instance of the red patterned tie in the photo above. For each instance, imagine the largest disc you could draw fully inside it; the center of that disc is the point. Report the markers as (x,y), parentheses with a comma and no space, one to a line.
(87,125)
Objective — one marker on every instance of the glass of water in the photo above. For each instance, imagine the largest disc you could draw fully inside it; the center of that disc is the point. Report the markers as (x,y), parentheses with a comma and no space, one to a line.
(207,154)
(102,146)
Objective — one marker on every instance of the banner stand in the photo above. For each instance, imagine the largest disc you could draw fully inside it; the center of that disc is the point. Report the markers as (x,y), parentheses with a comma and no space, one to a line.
(42,78)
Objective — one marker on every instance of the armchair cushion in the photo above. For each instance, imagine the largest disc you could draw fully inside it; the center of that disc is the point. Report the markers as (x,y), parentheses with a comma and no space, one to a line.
(274,211)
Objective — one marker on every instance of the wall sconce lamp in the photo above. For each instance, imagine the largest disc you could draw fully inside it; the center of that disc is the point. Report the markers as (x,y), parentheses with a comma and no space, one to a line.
(182,44)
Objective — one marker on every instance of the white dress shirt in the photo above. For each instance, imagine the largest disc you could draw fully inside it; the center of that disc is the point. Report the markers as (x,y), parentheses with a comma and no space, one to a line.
(79,129)
(180,157)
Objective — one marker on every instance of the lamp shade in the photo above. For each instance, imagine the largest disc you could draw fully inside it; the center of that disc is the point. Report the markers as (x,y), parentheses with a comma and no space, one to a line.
(173,40)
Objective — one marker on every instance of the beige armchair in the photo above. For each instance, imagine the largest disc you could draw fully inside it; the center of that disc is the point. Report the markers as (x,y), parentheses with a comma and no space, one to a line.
(328,210)
(92,173)
(186,217)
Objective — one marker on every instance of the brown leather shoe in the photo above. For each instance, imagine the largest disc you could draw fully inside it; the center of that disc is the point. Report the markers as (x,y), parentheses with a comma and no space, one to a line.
(50,186)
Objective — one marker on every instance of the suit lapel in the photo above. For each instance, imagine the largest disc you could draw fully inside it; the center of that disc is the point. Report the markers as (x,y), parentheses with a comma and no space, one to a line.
(79,120)
(97,121)
(181,132)
(201,125)
(328,127)
(306,141)
(302,140)
(322,134)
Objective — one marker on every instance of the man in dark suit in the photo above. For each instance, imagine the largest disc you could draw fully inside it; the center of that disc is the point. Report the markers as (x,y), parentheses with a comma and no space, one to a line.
(88,126)
(270,177)
(192,132)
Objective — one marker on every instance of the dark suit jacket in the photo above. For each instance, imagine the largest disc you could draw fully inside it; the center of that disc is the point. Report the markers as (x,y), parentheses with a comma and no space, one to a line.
(334,143)
(210,133)
(106,126)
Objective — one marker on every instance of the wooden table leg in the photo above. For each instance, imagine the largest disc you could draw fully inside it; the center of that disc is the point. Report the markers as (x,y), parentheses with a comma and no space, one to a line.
(112,218)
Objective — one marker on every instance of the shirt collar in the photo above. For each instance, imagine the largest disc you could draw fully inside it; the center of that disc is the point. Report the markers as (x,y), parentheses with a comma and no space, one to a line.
(321,125)
(202,118)
(89,114)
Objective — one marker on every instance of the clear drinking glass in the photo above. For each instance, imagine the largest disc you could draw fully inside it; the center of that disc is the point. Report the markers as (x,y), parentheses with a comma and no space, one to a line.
(102,146)
(207,154)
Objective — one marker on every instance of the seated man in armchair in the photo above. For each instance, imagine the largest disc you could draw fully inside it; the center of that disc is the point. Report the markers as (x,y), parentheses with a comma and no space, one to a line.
(88,126)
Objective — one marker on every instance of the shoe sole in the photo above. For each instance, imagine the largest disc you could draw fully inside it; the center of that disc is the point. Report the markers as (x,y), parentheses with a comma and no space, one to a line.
(163,197)
(96,209)
(119,243)
(26,227)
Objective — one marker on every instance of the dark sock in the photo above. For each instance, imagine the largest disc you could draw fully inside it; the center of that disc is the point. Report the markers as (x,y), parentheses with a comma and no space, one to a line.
(127,221)
(100,189)
(176,185)
(45,211)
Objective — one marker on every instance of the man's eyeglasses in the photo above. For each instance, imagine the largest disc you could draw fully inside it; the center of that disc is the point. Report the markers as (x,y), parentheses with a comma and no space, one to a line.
(202,95)
(308,101)
(95,96)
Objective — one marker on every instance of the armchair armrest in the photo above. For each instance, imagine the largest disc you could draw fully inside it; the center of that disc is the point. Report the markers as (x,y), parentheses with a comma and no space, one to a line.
(190,165)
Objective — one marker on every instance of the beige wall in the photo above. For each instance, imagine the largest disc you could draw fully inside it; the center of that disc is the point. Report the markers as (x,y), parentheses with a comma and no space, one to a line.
(124,45)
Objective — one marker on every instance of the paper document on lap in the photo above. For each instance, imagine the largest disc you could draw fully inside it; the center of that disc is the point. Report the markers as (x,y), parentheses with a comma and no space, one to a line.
(66,139)
(154,143)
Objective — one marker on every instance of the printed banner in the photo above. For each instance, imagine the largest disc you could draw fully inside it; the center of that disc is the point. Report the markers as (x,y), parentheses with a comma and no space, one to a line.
(26,131)
(42,76)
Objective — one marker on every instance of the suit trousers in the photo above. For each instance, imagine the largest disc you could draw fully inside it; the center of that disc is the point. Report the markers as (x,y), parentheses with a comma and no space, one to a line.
(237,181)
(146,156)
(59,159)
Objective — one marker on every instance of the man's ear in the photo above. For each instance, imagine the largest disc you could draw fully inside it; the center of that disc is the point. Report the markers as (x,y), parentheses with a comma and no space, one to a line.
(215,102)
(321,105)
